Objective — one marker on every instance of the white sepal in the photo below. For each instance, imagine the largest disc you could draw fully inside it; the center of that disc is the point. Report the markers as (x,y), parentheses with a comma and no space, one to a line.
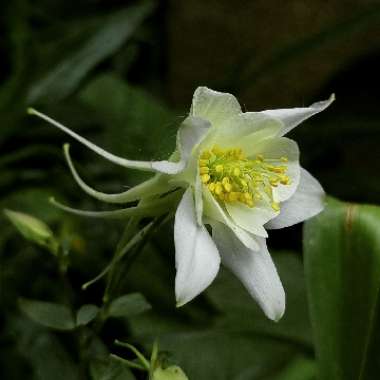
(255,269)
(291,117)
(308,201)
(196,256)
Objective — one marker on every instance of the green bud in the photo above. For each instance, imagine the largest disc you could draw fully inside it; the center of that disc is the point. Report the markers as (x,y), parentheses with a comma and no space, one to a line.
(170,373)
(33,229)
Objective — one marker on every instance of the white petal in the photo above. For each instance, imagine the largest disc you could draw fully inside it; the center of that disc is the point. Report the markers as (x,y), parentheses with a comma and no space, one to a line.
(255,269)
(154,185)
(291,117)
(251,219)
(214,211)
(164,166)
(308,201)
(275,148)
(214,106)
(246,129)
(197,258)
(198,198)
(191,132)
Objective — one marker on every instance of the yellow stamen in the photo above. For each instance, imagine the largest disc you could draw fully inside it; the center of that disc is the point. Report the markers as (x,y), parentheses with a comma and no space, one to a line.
(205,178)
(219,168)
(231,177)
(218,188)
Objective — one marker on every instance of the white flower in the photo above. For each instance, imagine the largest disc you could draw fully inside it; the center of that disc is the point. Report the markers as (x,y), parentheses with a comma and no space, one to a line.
(233,171)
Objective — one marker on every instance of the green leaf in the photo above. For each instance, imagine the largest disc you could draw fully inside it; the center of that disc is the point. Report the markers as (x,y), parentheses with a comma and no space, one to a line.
(33,229)
(48,314)
(106,369)
(86,314)
(128,305)
(65,77)
(342,261)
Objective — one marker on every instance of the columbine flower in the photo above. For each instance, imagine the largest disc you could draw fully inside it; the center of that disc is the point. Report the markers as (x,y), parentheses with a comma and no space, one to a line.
(234,172)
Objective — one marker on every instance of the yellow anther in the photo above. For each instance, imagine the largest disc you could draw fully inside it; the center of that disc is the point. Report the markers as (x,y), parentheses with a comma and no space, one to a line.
(222,196)
(231,177)
(285,180)
(243,183)
(205,178)
(278,169)
(218,188)
(219,168)
(247,196)
(233,196)
(274,181)
(250,203)
(242,197)
(216,150)
(227,186)
(206,155)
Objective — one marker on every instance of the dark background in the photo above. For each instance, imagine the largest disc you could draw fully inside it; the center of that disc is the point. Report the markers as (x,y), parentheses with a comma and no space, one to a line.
(122,73)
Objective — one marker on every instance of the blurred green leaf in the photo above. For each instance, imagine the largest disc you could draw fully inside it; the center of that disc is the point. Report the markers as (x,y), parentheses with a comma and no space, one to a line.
(342,261)
(138,125)
(33,229)
(106,369)
(240,312)
(65,77)
(205,355)
(128,305)
(299,368)
(49,359)
(86,314)
(53,315)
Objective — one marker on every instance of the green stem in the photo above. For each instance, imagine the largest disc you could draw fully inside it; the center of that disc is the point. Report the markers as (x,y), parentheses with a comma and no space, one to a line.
(135,250)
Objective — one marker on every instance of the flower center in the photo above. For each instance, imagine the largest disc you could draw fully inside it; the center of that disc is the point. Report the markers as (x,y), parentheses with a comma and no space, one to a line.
(231,177)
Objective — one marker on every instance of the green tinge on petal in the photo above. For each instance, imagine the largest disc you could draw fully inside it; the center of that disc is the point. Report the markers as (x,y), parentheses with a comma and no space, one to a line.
(214,212)
(214,106)
(274,148)
(251,219)
(245,130)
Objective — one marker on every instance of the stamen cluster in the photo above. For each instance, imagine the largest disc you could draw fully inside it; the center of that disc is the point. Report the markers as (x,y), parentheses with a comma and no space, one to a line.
(232,177)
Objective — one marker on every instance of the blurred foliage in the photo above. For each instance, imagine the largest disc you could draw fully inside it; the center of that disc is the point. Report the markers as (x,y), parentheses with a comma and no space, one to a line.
(101,68)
